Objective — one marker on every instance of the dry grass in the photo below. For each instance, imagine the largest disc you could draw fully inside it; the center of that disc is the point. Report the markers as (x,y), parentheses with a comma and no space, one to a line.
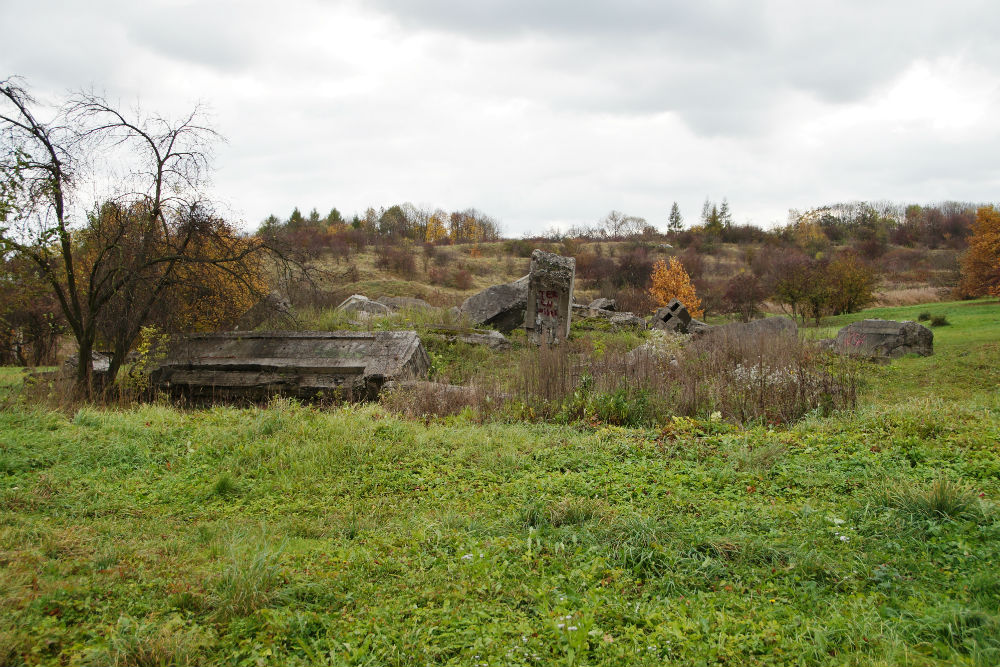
(910,296)
(757,377)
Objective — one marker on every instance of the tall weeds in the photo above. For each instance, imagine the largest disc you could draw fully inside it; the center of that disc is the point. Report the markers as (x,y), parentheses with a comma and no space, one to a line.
(767,377)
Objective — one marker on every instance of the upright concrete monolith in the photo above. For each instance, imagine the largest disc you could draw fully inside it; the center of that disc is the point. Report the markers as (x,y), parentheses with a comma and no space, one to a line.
(550,297)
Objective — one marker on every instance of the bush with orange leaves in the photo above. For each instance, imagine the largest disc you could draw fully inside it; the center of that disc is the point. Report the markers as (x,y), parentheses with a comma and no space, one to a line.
(981,263)
(671,281)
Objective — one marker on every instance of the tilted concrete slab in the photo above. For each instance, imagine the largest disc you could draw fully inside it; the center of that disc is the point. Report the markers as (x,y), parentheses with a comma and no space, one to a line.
(304,364)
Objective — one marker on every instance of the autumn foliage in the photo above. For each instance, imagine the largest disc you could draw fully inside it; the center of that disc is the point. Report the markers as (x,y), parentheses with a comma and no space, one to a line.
(981,264)
(671,281)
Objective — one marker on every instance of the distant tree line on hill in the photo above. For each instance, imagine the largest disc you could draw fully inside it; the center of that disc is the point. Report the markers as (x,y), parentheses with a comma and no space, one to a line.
(398,223)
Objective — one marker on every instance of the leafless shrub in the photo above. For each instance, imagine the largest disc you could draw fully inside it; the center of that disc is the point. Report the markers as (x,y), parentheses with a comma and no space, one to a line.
(635,300)
(398,260)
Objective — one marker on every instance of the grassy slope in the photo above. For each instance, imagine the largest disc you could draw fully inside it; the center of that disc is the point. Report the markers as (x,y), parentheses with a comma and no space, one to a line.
(296,536)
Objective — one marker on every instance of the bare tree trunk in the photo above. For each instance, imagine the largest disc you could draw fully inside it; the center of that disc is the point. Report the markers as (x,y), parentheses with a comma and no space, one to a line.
(85,367)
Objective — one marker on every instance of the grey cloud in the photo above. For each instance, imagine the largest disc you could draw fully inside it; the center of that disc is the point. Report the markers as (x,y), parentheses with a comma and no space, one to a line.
(720,65)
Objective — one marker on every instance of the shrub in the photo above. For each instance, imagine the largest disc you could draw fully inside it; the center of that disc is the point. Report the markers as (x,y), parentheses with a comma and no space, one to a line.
(634,267)
(461,279)
(939,321)
(593,267)
(635,300)
(396,259)
(744,295)
(923,317)
(519,247)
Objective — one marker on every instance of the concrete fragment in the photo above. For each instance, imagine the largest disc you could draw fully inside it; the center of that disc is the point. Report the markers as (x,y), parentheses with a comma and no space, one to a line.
(401,302)
(359,303)
(499,306)
(604,304)
(304,364)
(772,326)
(672,317)
(627,321)
(488,337)
(550,297)
(886,339)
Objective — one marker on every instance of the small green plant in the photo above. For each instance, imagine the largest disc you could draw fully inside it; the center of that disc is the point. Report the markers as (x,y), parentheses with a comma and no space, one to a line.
(149,351)
(939,321)
(923,317)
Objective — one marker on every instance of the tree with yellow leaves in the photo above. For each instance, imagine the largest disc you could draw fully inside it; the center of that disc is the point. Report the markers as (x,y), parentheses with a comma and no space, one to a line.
(671,281)
(981,263)
(436,230)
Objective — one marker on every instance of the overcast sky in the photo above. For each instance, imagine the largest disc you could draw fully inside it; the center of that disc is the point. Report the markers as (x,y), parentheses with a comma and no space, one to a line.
(549,113)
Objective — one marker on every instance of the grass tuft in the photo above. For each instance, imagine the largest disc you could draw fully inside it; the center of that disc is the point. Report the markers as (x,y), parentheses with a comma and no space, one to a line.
(225,486)
(135,643)
(251,579)
(942,499)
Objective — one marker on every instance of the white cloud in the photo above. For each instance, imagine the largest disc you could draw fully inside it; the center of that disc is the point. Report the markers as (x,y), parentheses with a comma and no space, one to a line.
(549,112)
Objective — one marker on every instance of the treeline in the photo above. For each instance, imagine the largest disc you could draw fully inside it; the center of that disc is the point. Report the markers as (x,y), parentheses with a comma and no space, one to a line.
(398,223)
(871,226)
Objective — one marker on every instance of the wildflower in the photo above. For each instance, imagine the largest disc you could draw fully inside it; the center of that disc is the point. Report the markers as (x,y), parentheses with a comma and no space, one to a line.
(467,557)
(844,538)
(715,416)
(572,628)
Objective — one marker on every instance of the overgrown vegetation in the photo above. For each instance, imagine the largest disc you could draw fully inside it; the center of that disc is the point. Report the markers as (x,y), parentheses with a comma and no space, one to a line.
(352,535)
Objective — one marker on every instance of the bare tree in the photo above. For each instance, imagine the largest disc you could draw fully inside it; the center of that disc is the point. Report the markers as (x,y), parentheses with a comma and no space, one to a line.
(117,262)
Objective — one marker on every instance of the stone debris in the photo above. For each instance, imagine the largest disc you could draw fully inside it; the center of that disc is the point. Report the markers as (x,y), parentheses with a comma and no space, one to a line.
(604,304)
(627,320)
(550,297)
(303,364)
(359,303)
(499,306)
(400,302)
(884,339)
(100,365)
(488,337)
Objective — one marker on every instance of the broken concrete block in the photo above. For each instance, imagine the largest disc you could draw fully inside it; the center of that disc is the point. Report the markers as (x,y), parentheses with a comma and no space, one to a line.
(499,306)
(886,339)
(303,364)
(672,317)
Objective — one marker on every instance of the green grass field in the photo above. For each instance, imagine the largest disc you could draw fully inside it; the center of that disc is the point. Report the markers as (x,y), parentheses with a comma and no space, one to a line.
(294,535)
